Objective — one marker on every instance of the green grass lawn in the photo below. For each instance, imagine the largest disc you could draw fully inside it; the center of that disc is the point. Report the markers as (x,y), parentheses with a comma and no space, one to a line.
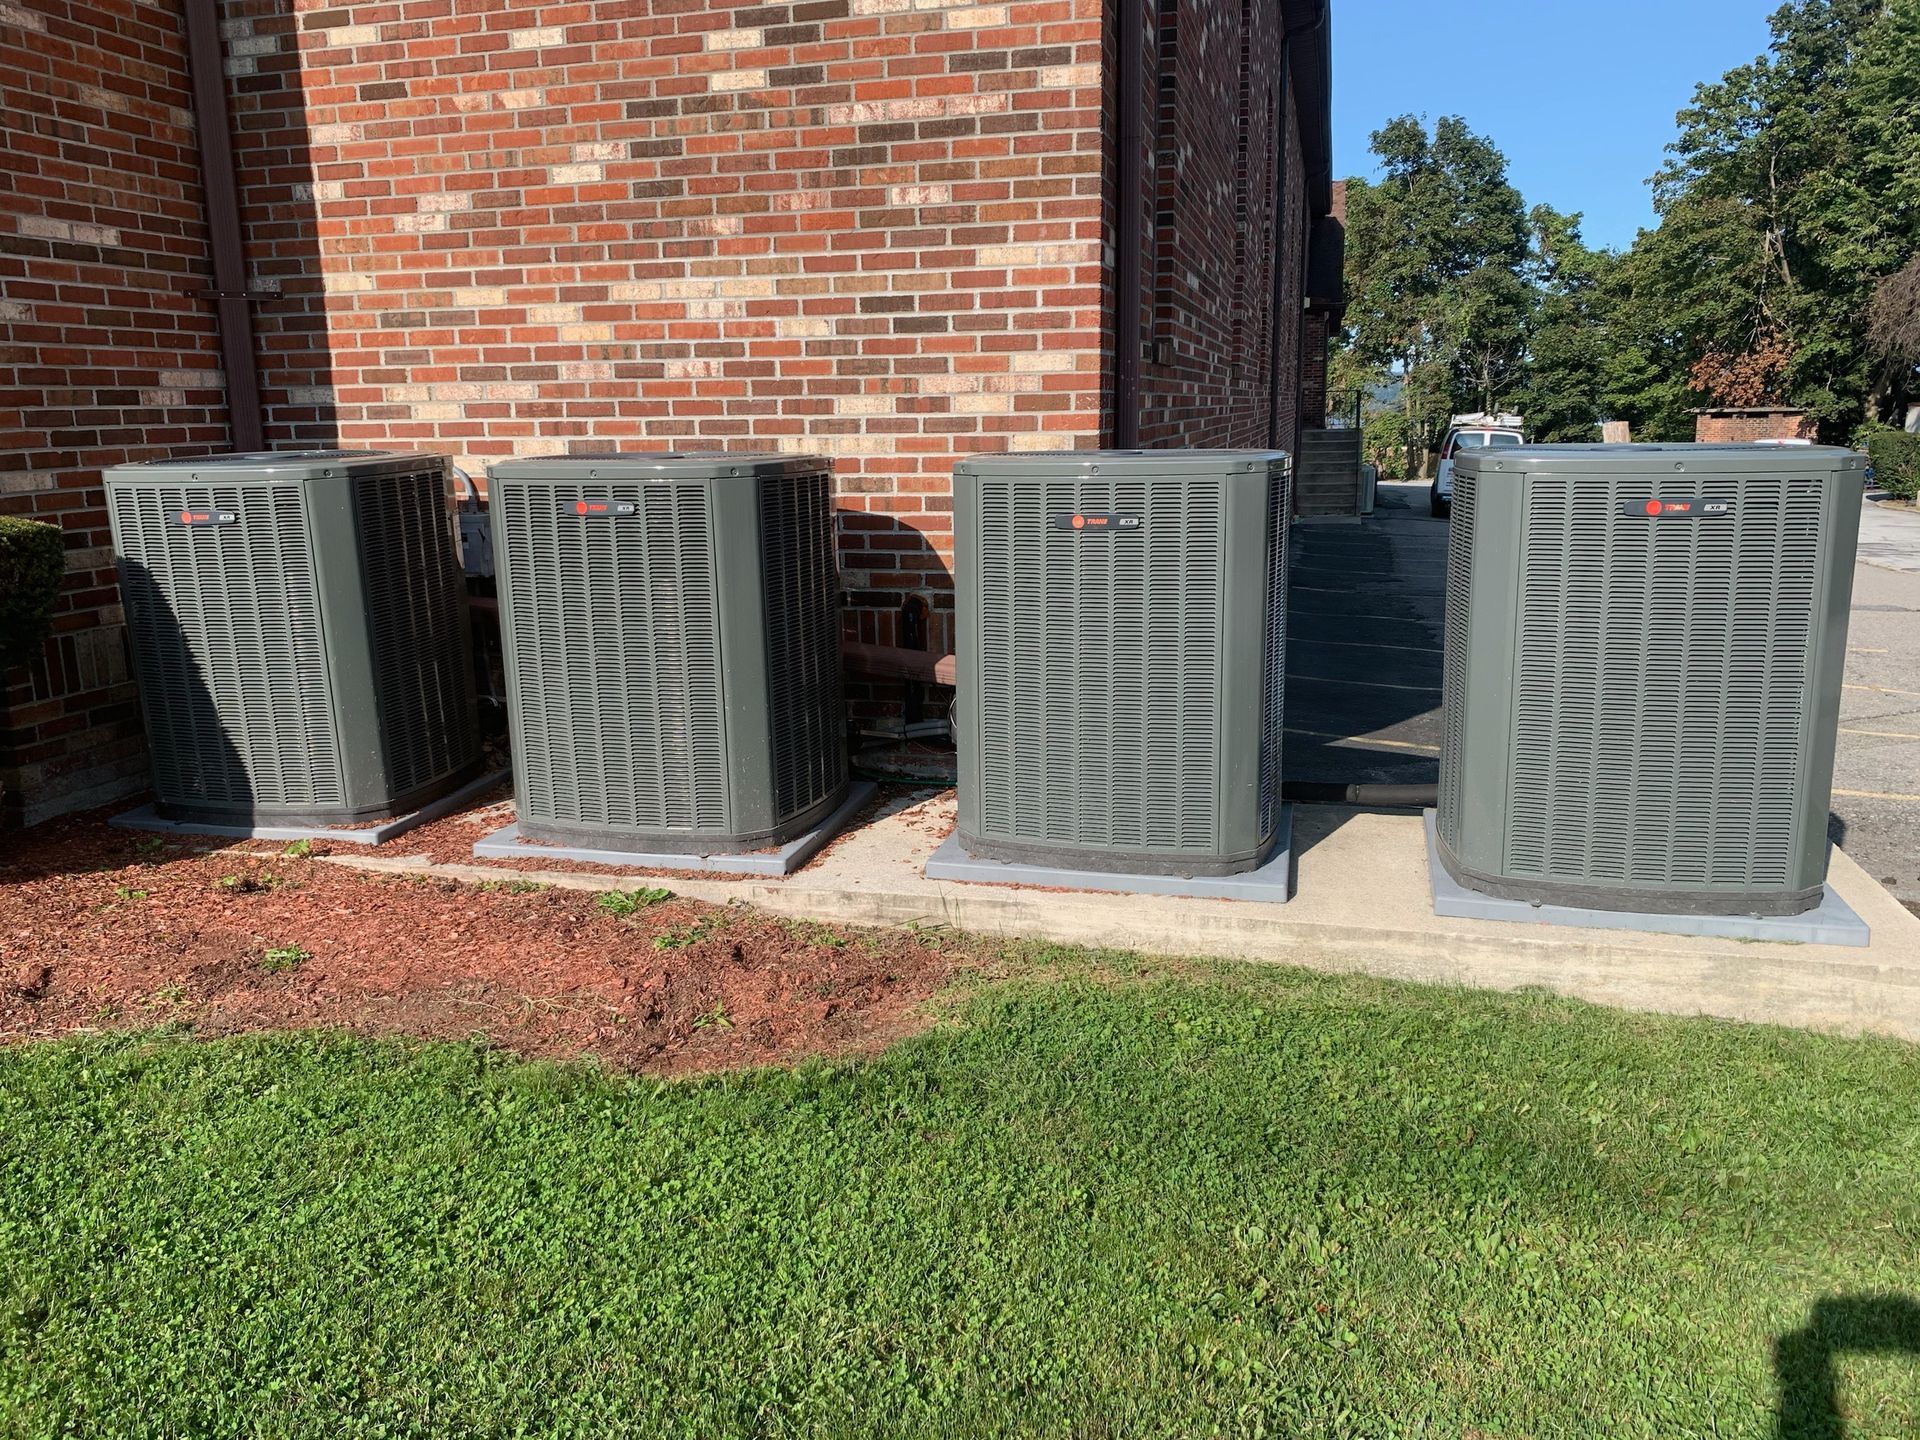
(1224,1201)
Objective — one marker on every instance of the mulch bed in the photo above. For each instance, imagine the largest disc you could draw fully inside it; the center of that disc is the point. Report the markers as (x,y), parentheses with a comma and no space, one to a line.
(102,929)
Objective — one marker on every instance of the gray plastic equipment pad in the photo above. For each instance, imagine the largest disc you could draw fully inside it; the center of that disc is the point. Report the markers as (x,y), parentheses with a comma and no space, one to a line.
(147,818)
(506,844)
(1831,922)
(1270,883)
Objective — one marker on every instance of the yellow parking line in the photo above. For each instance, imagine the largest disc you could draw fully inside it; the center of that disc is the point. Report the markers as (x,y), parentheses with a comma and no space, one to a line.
(1368,740)
(1863,650)
(1876,795)
(1881,734)
(1883,690)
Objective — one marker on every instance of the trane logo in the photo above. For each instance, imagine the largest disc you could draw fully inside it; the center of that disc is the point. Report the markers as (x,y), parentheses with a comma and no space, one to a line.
(198,519)
(1095,521)
(602,509)
(1651,509)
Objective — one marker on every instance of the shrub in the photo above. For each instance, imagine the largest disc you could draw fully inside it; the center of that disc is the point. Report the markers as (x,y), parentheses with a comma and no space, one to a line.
(1896,462)
(32,562)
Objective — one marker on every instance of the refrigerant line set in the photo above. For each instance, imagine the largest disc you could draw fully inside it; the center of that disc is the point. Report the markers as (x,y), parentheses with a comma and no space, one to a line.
(1643,658)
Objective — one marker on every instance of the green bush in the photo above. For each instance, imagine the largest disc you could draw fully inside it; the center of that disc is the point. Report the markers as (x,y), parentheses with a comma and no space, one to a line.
(1896,462)
(32,563)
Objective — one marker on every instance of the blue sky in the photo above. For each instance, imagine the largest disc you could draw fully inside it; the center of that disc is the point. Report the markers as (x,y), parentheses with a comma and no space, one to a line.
(1580,95)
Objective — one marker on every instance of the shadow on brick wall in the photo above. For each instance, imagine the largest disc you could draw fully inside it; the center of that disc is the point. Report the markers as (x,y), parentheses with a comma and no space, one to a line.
(282,176)
(899,591)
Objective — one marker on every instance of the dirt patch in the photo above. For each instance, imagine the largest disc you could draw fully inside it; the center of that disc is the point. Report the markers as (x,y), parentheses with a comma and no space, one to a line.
(100,928)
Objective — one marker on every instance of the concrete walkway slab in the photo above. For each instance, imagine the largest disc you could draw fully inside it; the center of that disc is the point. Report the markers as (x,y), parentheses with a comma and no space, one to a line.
(1361,904)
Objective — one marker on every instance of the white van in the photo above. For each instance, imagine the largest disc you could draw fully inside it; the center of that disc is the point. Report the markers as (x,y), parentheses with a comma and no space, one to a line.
(1470,430)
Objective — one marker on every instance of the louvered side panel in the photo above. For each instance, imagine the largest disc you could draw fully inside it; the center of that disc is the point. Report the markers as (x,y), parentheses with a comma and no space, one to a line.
(1274,680)
(1099,666)
(225,628)
(1660,684)
(801,593)
(416,619)
(616,643)
(1454,657)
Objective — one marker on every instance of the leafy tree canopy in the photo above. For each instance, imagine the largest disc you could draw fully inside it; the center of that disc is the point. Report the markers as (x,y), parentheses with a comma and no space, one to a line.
(1783,269)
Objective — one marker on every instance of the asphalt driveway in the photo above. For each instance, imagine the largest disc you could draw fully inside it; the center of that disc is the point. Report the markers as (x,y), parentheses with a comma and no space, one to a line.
(1365,616)
(1365,609)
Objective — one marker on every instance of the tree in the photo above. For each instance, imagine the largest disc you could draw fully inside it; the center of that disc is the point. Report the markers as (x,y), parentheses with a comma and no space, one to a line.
(1893,332)
(1789,194)
(1427,246)
(1564,391)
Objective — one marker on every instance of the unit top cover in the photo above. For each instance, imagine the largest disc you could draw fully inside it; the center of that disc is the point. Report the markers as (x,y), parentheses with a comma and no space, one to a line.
(658,465)
(275,464)
(1128,464)
(1750,458)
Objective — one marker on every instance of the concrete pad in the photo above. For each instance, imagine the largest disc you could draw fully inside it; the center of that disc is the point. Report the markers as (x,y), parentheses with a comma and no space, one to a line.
(1361,904)
(1268,882)
(148,818)
(506,844)
(1831,922)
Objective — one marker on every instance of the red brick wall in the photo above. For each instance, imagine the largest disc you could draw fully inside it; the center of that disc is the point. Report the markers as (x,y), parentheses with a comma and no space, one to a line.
(869,228)
(107,351)
(1216,113)
(1737,426)
(1314,336)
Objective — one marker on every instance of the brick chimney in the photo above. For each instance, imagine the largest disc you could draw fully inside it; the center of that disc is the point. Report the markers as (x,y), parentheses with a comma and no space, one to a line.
(1723,427)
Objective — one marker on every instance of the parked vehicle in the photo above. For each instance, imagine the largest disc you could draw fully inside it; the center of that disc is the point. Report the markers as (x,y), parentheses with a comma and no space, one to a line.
(1476,429)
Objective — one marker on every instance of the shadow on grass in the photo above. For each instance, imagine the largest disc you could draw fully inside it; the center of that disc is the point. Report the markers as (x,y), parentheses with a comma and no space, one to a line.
(1804,1361)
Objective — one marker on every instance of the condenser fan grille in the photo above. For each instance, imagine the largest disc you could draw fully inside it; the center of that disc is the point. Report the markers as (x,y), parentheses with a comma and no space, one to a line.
(227,645)
(1100,665)
(617,646)
(1274,678)
(802,613)
(1661,681)
(1455,655)
(416,609)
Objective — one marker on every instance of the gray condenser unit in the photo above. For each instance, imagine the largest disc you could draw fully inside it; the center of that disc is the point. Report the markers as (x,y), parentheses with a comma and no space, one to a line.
(298,624)
(1121,649)
(1643,658)
(672,635)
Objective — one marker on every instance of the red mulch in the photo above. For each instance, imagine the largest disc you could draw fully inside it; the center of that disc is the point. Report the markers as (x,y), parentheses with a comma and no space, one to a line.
(542,972)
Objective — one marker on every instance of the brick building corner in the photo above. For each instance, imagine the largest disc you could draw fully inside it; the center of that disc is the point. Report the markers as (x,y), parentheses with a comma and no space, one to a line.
(890,231)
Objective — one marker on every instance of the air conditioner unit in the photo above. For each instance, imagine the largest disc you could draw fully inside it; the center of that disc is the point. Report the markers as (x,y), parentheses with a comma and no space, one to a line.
(298,623)
(1643,659)
(672,636)
(1121,653)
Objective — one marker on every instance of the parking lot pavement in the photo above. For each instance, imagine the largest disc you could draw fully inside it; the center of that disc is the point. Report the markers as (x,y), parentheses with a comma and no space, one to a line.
(1365,606)
(1365,613)
(1876,772)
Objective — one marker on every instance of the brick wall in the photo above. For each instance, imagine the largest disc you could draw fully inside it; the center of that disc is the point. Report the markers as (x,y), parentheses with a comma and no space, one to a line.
(1218,107)
(107,353)
(1737,426)
(869,228)
(1315,330)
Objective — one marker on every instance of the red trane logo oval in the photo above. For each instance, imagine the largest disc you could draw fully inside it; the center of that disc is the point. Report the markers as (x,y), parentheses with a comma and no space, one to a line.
(1653,507)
